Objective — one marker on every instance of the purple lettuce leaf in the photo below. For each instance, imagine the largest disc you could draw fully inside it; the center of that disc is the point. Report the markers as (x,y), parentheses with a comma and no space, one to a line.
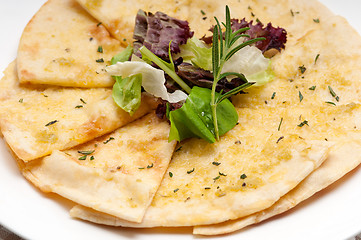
(275,37)
(155,31)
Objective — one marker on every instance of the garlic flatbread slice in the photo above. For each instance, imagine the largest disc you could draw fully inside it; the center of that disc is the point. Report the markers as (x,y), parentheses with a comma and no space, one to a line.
(119,15)
(314,70)
(296,16)
(342,159)
(117,174)
(250,168)
(63,45)
(211,194)
(36,121)
(200,168)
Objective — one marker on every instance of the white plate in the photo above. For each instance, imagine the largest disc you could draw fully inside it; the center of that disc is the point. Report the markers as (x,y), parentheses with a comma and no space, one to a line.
(332,214)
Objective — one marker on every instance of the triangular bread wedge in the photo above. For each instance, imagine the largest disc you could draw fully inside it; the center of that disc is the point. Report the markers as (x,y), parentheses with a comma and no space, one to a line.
(242,150)
(296,16)
(250,168)
(118,16)
(63,45)
(117,174)
(309,73)
(343,158)
(36,121)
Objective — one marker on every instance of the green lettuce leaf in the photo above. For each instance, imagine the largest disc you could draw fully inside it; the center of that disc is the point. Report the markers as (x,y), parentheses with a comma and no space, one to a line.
(198,53)
(194,118)
(127,92)
(263,77)
(122,56)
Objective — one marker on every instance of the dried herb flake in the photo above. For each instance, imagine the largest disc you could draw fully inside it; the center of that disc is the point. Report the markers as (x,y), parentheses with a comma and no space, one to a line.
(305,122)
(51,123)
(108,140)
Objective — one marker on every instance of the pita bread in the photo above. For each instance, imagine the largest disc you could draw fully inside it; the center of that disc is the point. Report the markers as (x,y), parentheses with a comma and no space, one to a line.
(36,121)
(343,158)
(118,16)
(60,46)
(121,174)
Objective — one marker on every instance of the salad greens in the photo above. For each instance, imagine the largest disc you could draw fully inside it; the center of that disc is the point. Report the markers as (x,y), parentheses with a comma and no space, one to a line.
(198,53)
(205,111)
(127,92)
(223,50)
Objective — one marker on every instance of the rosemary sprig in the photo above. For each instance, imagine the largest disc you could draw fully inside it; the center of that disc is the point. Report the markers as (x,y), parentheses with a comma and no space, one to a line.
(222,51)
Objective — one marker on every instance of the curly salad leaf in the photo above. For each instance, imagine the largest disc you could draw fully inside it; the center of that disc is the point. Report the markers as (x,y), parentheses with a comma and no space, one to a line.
(196,87)
(155,31)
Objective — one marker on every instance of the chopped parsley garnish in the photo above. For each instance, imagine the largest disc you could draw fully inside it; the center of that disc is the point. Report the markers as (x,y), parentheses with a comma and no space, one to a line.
(78,106)
(190,171)
(100,60)
(99,24)
(216,163)
(85,154)
(279,125)
(51,123)
(216,178)
(141,168)
(300,96)
(302,69)
(100,49)
(222,174)
(333,94)
(273,95)
(82,101)
(170,174)
(150,166)
(316,58)
(203,13)
(332,103)
(175,190)
(312,88)
(108,140)
(280,138)
(316,20)
(305,122)
(21,100)
(243,176)
(207,188)
(294,13)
